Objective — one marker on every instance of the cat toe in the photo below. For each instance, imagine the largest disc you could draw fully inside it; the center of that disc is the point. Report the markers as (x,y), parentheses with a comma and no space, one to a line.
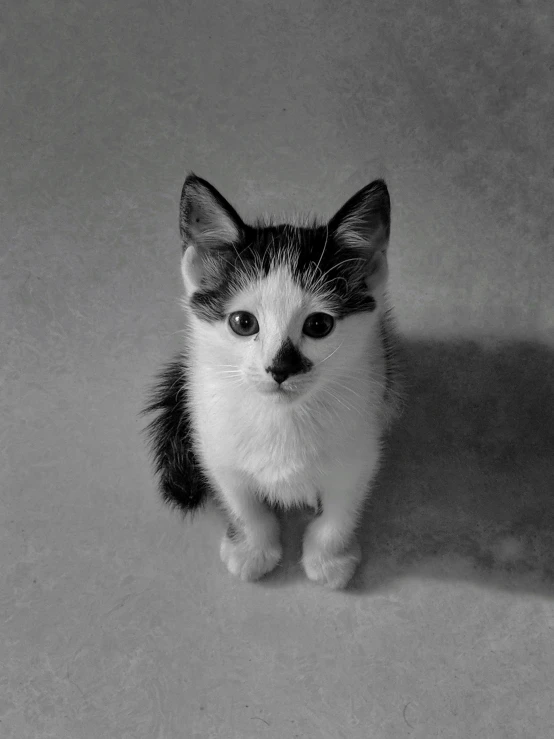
(247,562)
(333,570)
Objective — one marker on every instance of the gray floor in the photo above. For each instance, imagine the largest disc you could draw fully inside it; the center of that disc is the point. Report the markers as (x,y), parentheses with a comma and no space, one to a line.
(118,619)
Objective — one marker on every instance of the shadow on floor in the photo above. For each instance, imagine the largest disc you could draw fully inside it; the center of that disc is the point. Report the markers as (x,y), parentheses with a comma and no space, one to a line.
(467,488)
(466,491)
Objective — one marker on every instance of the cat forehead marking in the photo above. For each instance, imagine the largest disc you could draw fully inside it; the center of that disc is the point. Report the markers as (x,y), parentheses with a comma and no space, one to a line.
(275,293)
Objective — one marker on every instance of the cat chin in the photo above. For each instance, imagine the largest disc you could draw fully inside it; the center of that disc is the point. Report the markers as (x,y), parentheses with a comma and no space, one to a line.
(282,395)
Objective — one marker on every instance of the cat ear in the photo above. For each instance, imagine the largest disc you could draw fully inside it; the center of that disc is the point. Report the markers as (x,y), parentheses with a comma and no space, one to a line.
(206,219)
(363,224)
(209,228)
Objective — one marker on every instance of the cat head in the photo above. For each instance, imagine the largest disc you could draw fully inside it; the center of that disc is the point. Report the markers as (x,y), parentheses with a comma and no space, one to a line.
(283,309)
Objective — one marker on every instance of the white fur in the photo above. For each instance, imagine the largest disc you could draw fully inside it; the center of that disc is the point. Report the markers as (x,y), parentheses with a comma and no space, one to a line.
(318,440)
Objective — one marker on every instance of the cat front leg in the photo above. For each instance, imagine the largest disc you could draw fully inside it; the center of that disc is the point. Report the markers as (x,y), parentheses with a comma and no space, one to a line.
(251,546)
(331,552)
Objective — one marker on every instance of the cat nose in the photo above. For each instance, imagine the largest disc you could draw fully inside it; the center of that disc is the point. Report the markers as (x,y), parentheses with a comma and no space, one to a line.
(279,374)
(288,361)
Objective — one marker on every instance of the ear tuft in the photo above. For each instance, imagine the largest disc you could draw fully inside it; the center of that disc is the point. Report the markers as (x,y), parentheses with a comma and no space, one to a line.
(206,220)
(364,221)
(210,228)
(363,224)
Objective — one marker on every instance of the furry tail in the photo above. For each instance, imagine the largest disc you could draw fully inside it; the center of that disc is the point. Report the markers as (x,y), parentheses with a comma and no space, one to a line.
(181,480)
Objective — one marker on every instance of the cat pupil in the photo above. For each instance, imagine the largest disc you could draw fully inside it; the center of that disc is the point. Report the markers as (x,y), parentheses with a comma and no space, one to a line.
(318,325)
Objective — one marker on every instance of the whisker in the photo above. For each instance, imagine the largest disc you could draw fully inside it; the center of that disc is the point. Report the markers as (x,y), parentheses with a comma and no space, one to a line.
(322,277)
(324,247)
(345,387)
(345,405)
(329,355)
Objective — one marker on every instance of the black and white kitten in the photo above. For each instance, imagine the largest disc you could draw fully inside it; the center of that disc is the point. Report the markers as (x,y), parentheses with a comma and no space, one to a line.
(286,383)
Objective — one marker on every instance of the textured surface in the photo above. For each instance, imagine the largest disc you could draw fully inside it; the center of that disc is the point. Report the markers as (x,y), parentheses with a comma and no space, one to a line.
(118,620)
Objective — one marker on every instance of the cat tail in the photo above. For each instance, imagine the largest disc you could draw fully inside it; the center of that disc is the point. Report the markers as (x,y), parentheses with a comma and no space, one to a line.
(181,481)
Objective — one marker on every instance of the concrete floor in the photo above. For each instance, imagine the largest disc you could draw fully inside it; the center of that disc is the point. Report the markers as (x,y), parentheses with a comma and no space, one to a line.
(118,619)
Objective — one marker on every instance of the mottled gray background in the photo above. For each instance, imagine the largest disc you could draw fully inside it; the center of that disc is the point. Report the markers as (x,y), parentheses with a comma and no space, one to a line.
(118,620)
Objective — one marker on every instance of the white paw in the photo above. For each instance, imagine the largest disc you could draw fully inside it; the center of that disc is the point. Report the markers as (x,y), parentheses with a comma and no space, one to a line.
(247,562)
(333,570)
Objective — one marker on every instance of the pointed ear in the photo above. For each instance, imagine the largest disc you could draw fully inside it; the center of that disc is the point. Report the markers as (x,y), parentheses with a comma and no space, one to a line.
(206,220)
(209,228)
(363,224)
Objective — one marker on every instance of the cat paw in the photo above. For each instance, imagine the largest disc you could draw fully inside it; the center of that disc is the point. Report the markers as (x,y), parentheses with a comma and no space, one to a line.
(333,570)
(247,562)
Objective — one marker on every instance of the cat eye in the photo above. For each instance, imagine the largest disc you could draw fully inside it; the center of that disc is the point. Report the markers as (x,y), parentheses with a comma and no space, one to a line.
(244,323)
(318,325)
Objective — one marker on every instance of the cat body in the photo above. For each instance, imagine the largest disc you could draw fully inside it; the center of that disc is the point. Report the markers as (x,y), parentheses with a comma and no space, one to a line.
(286,384)
(283,449)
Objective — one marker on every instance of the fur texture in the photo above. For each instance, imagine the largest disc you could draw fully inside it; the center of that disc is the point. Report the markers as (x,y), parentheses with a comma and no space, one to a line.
(287,381)
(182,482)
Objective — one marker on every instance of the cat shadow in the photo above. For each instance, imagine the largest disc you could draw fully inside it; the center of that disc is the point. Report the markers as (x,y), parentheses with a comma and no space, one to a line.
(466,490)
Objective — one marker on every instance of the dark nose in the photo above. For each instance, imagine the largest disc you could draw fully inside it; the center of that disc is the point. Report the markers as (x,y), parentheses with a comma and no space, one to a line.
(279,374)
(288,361)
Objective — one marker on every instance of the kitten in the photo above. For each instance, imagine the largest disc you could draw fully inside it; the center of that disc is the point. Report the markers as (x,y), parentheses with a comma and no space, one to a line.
(287,382)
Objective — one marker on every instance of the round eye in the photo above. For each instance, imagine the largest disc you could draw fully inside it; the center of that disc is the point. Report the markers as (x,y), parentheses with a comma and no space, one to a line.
(243,323)
(318,325)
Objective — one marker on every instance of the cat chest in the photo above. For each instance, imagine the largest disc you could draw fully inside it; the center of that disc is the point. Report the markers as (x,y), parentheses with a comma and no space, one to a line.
(286,455)
(272,449)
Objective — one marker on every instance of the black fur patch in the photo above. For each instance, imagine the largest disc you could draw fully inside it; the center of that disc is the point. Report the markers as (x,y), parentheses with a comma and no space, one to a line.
(343,271)
(181,480)
(289,360)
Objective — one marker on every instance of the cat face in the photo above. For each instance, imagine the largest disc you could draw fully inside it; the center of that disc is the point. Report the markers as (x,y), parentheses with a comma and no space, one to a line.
(284,310)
